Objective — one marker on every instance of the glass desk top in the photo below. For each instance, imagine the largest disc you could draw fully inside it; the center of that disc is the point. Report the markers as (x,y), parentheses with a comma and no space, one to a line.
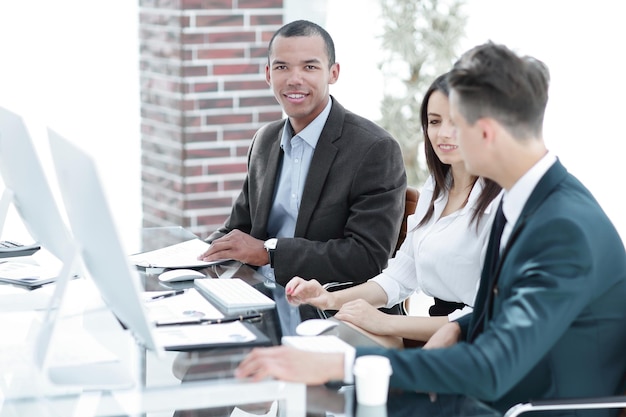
(201,383)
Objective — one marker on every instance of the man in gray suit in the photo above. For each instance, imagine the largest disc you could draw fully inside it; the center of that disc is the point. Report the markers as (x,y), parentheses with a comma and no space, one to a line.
(549,319)
(324,194)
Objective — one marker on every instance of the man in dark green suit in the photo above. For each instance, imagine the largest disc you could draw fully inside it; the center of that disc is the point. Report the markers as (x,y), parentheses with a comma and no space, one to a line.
(550,315)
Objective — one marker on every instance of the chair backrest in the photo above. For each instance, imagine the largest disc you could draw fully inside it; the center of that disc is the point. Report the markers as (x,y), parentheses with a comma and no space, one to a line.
(409,208)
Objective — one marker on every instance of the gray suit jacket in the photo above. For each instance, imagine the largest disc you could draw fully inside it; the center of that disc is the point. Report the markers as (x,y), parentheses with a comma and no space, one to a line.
(352,204)
(555,327)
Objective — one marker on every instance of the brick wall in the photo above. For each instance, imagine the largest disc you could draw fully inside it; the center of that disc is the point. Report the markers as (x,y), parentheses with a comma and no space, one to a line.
(203,95)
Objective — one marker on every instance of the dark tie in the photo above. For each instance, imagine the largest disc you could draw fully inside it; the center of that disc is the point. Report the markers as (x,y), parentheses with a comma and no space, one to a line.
(491,257)
(496,235)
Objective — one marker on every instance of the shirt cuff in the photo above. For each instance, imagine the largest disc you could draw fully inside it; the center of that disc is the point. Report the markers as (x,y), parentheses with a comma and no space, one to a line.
(348,366)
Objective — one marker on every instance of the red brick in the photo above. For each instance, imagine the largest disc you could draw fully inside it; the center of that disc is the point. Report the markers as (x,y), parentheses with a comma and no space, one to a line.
(205,4)
(239,134)
(246,85)
(195,71)
(259,51)
(215,219)
(209,153)
(219,20)
(229,37)
(235,69)
(270,116)
(221,53)
(228,119)
(233,184)
(226,168)
(202,87)
(267,20)
(200,137)
(215,103)
(258,101)
(194,39)
(260,4)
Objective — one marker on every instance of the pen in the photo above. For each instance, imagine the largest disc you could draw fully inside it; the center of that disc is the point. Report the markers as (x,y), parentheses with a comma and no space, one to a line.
(215,321)
(169,294)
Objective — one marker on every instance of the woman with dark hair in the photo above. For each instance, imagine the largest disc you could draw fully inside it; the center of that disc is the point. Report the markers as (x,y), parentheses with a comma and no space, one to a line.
(443,250)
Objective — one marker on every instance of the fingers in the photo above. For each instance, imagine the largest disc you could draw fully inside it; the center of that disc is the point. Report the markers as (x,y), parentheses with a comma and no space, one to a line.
(293,284)
(257,365)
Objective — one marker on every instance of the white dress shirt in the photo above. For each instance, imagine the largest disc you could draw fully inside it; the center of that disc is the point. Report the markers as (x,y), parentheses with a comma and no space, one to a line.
(442,258)
(515,198)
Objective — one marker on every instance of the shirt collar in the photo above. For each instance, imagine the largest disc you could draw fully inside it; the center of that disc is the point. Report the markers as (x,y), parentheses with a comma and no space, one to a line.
(309,134)
(516,197)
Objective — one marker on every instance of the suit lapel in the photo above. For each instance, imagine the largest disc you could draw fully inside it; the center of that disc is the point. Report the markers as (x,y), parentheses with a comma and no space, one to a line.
(266,196)
(488,281)
(323,158)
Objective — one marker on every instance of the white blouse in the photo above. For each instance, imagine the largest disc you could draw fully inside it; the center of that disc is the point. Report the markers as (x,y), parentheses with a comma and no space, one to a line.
(442,258)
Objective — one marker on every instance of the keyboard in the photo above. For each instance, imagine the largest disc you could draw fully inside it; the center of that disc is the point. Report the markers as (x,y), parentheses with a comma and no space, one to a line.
(325,343)
(9,248)
(233,295)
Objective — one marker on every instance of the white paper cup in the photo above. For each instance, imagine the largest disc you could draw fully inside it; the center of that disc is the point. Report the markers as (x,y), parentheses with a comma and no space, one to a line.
(371,376)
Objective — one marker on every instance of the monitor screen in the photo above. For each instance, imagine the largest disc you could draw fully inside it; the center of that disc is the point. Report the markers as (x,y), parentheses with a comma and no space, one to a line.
(97,238)
(23,175)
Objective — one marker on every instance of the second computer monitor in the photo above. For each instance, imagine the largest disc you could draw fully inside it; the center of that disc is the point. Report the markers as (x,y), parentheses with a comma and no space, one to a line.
(96,235)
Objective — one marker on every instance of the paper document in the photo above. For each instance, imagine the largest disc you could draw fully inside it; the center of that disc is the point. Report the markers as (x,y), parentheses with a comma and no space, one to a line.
(188,307)
(180,255)
(25,274)
(204,335)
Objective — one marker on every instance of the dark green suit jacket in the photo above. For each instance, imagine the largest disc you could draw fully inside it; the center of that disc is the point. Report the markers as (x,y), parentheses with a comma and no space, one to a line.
(558,322)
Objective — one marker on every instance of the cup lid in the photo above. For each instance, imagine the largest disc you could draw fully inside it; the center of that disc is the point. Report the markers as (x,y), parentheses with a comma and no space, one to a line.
(370,364)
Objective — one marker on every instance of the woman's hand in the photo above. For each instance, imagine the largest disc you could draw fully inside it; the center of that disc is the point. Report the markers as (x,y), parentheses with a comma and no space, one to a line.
(302,291)
(361,313)
(448,335)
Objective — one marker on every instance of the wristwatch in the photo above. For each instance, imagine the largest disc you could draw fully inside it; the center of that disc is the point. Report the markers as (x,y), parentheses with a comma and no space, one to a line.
(270,247)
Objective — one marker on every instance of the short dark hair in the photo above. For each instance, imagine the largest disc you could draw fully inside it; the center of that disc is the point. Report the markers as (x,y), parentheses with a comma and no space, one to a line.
(305,28)
(493,81)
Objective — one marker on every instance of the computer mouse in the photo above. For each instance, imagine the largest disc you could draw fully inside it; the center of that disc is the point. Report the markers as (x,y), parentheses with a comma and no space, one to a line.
(314,327)
(175,275)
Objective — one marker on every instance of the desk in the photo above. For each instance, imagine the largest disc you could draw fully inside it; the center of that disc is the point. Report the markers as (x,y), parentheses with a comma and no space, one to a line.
(200,383)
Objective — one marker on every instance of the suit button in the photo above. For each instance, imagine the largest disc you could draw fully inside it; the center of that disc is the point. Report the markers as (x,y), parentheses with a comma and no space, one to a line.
(495,291)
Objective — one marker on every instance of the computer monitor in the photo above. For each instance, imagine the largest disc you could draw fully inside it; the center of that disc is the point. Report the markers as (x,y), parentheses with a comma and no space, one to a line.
(97,238)
(28,190)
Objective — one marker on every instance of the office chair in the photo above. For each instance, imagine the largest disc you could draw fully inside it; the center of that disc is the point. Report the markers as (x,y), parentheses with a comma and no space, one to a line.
(410,202)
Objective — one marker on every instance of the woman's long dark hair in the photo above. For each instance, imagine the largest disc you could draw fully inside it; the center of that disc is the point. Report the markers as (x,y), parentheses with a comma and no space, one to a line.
(439,170)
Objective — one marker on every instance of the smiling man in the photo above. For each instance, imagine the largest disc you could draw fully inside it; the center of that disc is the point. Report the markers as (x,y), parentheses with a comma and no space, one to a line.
(324,194)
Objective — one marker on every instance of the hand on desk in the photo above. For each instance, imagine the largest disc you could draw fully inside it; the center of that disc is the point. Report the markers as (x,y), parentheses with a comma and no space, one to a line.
(290,364)
(239,246)
(448,335)
(364,315)
(302,291)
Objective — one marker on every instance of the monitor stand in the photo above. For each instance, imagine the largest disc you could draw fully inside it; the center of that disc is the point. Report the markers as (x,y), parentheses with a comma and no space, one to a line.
(46,375)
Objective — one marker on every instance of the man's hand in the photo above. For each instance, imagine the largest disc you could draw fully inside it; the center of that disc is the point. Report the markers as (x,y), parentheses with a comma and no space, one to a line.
(239,246)
(289,364)
(302,291)
(448,335)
